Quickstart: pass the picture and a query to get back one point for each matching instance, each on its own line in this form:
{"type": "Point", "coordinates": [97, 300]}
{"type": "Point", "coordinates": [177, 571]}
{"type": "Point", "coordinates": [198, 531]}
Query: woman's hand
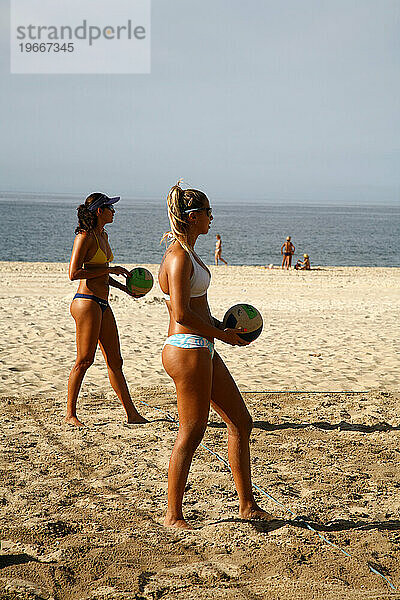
{"type": "Point", "coordinates": [119, 271]}
{"type": "Point", "coordinates": [218, 324]}
{"type": "Point", "coordinates": [230, 336]}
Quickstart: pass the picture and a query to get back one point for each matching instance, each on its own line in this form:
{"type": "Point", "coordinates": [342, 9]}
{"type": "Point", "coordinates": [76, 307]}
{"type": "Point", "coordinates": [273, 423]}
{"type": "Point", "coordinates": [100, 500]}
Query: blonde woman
{"type": "Point", "coordinates": [200, 376]}
{"type": "Point", "coordinates": [303, 265]}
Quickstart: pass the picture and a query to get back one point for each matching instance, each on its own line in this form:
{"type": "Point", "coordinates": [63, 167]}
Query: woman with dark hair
{"type": "Point", "coordinates": [95, 322]}
{"type": "Point", "coordinates": [200, 376]}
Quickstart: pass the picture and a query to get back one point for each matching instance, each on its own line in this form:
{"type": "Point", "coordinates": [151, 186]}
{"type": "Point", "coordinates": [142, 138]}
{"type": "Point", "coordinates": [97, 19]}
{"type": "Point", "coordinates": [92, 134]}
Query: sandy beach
{"type": "Point", "coordinates": [334, 329]}
{"type": "Point", "coordinates": [81, 509]}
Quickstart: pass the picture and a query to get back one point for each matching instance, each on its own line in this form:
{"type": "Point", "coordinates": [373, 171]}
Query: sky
{"type": "Point", "coordinates": [291, 101]}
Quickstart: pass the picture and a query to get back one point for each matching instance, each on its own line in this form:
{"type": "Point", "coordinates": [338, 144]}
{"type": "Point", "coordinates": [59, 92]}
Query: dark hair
{"type": "Point", "coordinates": [178, 201]}
{"type": "Point", "coordinates": [87, 220]}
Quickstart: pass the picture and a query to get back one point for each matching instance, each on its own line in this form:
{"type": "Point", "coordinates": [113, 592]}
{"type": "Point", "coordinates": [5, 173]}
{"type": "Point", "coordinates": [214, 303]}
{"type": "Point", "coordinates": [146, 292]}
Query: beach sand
{"type": "Point", "coordinates": [81, 509]}
{"type": "Point", "coordinates": [335, 328]}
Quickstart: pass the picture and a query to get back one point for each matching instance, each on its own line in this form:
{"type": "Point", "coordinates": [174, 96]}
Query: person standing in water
{"type": "Point", "coordinates": [94, 319]}
{"type": "Point", "coordinates": [287, 249]}
{"type": "Point", "coordinates": [200, 376]}
{"type": "Point", "coordinates": [218, 250]}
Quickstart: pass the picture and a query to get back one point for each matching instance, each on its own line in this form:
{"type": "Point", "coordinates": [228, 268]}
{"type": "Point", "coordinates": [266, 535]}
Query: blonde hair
{"type": "Point", "coordinates": [179, 201]}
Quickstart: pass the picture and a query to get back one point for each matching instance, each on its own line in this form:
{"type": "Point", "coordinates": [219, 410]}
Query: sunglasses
{"type": "Point", "coordinates": [111, 208]}
{"type": "Point", "coordinates": [208, 211]}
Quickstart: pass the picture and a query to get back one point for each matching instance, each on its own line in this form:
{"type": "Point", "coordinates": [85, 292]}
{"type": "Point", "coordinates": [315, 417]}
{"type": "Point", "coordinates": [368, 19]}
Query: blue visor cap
{"type": "Point", "coordinates": [103, 200]}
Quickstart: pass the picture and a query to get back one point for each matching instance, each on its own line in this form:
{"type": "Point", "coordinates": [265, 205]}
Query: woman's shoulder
{"type": "Point", "coordinates": [85, 234]}
{"type": "Point", "coordinates": [176, 256]}
{"type": "Point", "coordinates": [176, 250]}
{"type": "Point", "coordinates": [84, 238]}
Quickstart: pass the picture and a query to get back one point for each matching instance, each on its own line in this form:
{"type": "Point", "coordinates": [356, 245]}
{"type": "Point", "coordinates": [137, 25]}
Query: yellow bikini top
{"type": "Point", "coordinates": [99, 258]}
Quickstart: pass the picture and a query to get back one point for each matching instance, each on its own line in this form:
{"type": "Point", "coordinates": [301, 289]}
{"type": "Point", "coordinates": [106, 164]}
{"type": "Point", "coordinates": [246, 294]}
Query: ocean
{"type": "Point", "coordinates": [41, 229]}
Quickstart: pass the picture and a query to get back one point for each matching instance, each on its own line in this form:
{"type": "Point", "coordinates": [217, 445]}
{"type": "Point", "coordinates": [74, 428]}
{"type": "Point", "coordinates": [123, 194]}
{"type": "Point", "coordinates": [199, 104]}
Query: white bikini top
{"type": "Point", "coordinates": [199, 281]}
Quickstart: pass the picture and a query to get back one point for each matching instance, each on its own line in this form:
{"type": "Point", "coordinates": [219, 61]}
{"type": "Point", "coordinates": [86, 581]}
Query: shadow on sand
{"type": "Point", "coordinates": [302, 522]}
{"type": "Point", "coordinates": [324, 425]}
{"type": "Point", "coordinates": [7, 560]}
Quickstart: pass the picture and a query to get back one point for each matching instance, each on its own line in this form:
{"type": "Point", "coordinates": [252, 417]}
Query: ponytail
{"type": "Point", "coordinates": [87, 220]}
{"type": "Point", "coordinates": [179, 201]}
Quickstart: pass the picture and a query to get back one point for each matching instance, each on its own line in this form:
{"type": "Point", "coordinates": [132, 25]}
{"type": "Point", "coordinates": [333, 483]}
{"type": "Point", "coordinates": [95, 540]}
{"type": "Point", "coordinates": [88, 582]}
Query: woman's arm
{"type": "Point", "coordinates": [178, 272]}
{"type": "Point", "coordinates": [114, 283]}
{"type": "Point", "coordinates": [218, 324]}
{"type": "Point", "coordinates": [120, 286]}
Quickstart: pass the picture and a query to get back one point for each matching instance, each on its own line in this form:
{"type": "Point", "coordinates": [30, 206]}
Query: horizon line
{"type": "Point", "coordinates": [268, 200]}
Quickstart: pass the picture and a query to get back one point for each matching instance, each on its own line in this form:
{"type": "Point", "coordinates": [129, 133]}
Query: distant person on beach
{"type": "Point", "coordinates": [287, 249]}
{"type": "Point", "coordinates": [303, 265]}
{"type": "Point", "coordinates": [199, 374]}
{"type": "Point", "coordinates": [94, 319]}
{"type": "Point", "coordinates": [218, 250]}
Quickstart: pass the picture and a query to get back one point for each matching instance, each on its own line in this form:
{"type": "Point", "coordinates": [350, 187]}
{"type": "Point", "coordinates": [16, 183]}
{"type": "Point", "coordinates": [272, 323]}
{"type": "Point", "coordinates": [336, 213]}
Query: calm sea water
{"type": "Point", "coordinates": [33, 229]}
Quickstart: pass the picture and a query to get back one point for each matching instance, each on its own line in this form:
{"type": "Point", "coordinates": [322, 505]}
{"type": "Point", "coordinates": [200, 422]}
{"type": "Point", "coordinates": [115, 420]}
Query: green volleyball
{"type": "Point", "coordinates": [140, 281]}
{"type": "Point", "coordinates": [244, 316]}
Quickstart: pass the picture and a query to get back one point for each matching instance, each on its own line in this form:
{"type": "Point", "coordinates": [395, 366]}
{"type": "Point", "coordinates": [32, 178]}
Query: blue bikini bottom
{"type": "Point", "coordinates": [188, 340]}
{"type": "Point", "coordinates": [102, 303]}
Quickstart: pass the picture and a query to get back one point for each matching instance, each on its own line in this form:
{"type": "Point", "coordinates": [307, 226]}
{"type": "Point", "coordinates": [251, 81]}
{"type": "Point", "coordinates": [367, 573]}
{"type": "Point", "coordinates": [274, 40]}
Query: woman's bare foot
{"type": "Point", "coordinates": [255, 512]}
{"type": "Point", "coordinates": [136, 419]}
{"type": "Point", "coordinates": [176, 523]}
{"type": "Point", "coordinates": [71, 420]}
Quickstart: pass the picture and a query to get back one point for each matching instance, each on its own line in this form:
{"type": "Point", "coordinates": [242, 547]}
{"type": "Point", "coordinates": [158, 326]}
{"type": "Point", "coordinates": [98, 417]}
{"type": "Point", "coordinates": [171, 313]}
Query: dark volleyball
{"type": "Point", "coordinates": [247, 317]}
{"type": "Point", "coordinates": [140, 281]}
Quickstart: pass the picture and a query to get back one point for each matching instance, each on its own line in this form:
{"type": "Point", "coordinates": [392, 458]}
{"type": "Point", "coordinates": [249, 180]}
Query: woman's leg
{"type": "Point", "coordinates": [87, 315]}
{"type": "Point", "coordinates": [191, 370]}
{"type": "Point", "coordinates": [287, 262]}
{"type": "Point", "coordinates": [110, 347]}
{"type": "Point", "coordinates": [229, 404]}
